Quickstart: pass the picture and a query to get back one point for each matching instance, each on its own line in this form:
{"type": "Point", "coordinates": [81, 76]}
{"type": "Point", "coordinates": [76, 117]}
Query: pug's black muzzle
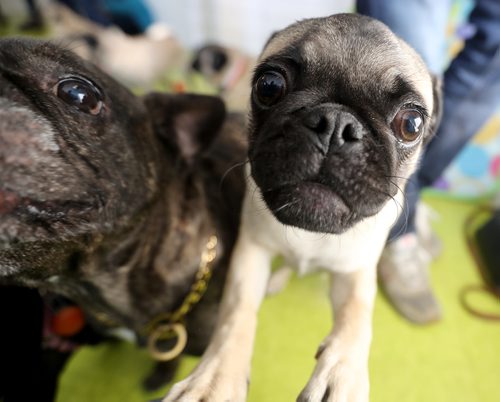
{"type": "Point", "coordinates": [320, 168]}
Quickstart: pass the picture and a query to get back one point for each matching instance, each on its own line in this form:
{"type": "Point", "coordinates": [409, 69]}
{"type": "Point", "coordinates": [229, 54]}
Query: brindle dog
{"type": "Point", "coordinates": [108, 198]}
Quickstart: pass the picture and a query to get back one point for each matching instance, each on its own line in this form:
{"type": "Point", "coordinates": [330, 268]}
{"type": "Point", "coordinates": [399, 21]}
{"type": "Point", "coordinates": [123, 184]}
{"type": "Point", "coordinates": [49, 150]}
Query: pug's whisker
{"type": "Point", "coordinates": [226, 173]}
{"type": "Point", "coordinates": [404, 212]}
{"type": "Point", "coordinates": [286, 205]}
{"type": "Point", "coordinates": [406, 179]}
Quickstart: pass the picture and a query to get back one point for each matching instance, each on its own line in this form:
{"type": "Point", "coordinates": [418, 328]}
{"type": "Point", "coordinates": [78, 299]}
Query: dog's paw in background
{"type": "Point", "coordinates": [279, 280]}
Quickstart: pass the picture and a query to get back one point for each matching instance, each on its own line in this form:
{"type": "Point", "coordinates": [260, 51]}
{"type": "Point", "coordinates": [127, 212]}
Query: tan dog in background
{"type": "Point", "coordinates": [137, 61]}
{"type": "Point", "coordinates": [229, 70]}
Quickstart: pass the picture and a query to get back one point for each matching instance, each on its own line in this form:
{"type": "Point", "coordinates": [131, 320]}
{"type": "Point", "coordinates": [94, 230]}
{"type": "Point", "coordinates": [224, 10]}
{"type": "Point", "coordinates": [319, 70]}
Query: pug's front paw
{"type": "Point", "coordinates": [337, 378]}
{"type": "Point", "coordinates": [212, 382]}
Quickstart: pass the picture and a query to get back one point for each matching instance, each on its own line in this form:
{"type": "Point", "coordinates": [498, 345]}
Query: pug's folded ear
{"type": "Point", "coordinates": [186, 122]}
{"type": "Point", "coordinates": [437, 91]}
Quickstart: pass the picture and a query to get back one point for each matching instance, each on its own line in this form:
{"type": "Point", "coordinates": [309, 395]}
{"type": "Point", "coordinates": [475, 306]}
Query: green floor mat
{"type": "Point", "coordinates": [455, 360]}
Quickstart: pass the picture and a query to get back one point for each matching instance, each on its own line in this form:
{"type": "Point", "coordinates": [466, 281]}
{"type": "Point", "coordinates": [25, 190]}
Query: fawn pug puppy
{"type": "Point", "coordinates": [340, 109]}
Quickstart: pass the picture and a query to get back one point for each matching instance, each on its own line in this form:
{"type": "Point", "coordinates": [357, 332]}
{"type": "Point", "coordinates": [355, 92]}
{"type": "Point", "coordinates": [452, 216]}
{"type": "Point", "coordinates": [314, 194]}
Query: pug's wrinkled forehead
{"type": "Point", "coordinates": [353, 47]}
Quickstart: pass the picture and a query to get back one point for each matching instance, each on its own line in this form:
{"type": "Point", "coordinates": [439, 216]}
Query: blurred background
{"type": "Point", "coordinates": [211, 46]}
{"type": "Point", "coordinates": [241, 28]}
{"type": "Point", "coordinates": [242, 24]}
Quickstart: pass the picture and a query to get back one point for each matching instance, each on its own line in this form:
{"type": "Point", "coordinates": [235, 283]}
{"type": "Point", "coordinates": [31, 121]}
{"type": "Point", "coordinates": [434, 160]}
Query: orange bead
{"type": "Point", "coordinates": [179, 87]}
{"type": "Point", "coordinates": [68, 321]}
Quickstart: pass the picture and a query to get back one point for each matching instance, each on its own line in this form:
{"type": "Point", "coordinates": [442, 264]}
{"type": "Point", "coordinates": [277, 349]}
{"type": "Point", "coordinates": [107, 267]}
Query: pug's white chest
{"type": "Point", "coordinates": [307, 251]}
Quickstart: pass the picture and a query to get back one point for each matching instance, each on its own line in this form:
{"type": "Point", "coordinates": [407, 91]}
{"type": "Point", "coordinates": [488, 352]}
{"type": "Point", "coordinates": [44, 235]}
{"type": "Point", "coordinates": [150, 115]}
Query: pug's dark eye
{"type": "Point", "coordinates": [270, 88]}
{"type": "Point", "coordinates": [81, 94]}
{"type": "Point", "coordinates": [408, 124]}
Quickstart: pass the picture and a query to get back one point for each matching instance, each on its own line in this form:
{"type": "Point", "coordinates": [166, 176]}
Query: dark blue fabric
{"type": "Point", "coordinates": [471, 83]}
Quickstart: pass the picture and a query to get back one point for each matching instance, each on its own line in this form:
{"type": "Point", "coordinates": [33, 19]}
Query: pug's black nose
{"type": "Point", "coordinates": [330, 126]}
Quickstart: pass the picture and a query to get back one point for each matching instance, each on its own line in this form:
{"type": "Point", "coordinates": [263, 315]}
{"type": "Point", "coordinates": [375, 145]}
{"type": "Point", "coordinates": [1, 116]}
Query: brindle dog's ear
{"type": "Point", "coordinates": [437, 91]}
{"type": "Point", "coordinates": [186, 122]}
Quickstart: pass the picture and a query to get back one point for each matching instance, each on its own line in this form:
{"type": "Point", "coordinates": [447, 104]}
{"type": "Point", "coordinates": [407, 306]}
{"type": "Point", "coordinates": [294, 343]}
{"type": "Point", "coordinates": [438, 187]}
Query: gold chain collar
{"type": "Point", "coordinates": [171, 325]}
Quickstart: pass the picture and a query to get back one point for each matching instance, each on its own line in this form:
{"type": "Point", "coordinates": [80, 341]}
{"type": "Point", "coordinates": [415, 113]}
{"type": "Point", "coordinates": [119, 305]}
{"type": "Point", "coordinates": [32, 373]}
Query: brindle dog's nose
{"type": "Point", "coordinates": [330, 126]}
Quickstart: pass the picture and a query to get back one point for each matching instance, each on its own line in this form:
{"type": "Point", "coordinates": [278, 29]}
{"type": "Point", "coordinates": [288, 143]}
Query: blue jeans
{"type": "Point", "coordinates": [471, 83]}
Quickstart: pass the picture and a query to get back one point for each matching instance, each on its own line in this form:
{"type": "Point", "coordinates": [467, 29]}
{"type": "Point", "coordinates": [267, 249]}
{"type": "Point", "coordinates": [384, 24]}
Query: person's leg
{"type": "Point", "coordinates": [471, 91]}
{"type": "Point", "coordinates": [403, 265]}
{"type": "Point", "coordinates": [421, 23]}
{"type": "Point", "coordinates": [471, 95]}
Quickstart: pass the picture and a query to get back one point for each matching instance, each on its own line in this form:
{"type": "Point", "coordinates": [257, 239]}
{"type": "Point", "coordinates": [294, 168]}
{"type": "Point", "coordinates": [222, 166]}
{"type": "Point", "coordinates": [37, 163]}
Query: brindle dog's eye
{"type": "Point", "coordinates": [80, 93]}
{"type": "Point", "coordinates": [408, 124]}
{"type": "Point", "coordinates": [270, 88]}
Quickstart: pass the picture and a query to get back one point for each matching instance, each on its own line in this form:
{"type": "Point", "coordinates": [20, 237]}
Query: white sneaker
{"type": "Point", "coordinates": [404, 276]}
{"type": "Point", "coordinates": [427, 237]}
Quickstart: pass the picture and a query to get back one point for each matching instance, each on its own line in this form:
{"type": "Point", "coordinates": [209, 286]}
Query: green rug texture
{"type": "Point", "coordinates": [454, 360]}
